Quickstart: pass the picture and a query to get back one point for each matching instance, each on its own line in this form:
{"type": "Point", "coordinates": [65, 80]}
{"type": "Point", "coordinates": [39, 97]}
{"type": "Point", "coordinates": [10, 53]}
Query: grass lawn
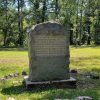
{"type": "Point", "coordinates": [84, 59]}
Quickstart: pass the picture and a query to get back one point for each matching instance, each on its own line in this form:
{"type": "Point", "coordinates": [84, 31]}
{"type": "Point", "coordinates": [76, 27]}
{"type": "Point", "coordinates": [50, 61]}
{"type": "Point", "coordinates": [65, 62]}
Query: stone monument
{"type": "Point", "coordinates": [48, 54]}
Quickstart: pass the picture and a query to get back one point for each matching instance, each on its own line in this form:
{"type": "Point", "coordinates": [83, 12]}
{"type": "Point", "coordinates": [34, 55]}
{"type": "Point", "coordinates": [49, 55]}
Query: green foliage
{"type": "Point", "coordinates": [83, 17]}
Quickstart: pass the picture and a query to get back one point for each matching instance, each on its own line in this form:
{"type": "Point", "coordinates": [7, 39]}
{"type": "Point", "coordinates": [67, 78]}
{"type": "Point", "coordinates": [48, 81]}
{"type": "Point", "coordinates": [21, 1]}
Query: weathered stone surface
{"type": "Point", "coordinates": [16, 74]}
{"type": "Point", "coordinates": [2, 79]}
{"type": "Point", "coordinates": [94, 76]}
{"type": "Point", "coordinates": [11, 75]}
{"type": "Point", "coordinates": [68, 83]}
{"type": "Point", "coordinates": [83, 98]}
{"type": "Point", "coordinates": [48, 52]}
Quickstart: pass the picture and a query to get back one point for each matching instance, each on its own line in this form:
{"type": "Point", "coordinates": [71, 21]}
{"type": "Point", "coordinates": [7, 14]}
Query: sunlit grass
{"type": "Point", "coordinates": [15, 60]}
{"type": "Point", "coordinates": [85, 58]}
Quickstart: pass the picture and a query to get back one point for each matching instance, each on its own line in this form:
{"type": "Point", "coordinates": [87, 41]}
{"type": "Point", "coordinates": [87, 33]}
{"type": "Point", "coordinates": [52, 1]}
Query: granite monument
{"type": "Point", "coordinates": [48, 53]}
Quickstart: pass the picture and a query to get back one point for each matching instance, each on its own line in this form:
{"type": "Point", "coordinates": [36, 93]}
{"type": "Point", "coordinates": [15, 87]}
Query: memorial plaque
{"type": "Point", "coordinates": [48, 52]}
{"type": "Point", "coordinates": [50, 45]}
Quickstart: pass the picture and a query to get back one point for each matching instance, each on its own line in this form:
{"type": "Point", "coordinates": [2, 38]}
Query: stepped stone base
{"type": "Point", "coordinates": [68, 83]}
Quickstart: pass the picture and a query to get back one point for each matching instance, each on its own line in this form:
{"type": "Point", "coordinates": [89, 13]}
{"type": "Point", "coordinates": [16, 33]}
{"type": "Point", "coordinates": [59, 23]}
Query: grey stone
{"type": "Point", "coordinates": [94, 76]}
{"type": "Point", "coordinates": [83, 98]}
{"type": "Point", "coordinates": [2, 79]}
{"type": "Point", "coordinates": [88, 76]}
{"type": "Point", "coordinates": [68, 83]}
{"type": "Point", "coordinates": [16, 74]}
{"type": "Point", "coordinates": [48, 52]}
{"type": "Point", "coordinates": [11, 75]}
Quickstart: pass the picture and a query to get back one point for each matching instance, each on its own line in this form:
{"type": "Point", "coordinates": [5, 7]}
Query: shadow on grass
{"type": "Point", "coordinates": [86, 46]}
{"type": "Point", "coordinates": [13, 90]}
{"type": "Point", "coordinates": [13, 49]}
{"type": "Point", "coordinates": [22, 89]}
{"type": "Point", "coordinates": [70, 94]}
{"type": "Point", "coordinates": [52, 93]}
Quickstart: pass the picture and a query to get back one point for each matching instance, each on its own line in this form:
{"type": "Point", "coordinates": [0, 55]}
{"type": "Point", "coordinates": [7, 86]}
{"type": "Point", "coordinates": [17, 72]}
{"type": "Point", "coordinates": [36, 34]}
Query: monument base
{"type": "Point", "coordinates": [68, 83]}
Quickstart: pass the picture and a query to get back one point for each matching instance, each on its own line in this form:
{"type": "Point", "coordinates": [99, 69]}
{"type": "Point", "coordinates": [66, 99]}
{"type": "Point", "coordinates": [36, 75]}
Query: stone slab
{"type": "Point", "coordinates": [49, 52]}
{"type": "Point", "coordinates": [68, 83]}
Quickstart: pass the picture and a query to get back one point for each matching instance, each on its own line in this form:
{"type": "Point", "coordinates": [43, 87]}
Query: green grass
{"type": "Point", "coordinates": [84, 59]}
{"type": "Point", "coordinates": [13, 61]}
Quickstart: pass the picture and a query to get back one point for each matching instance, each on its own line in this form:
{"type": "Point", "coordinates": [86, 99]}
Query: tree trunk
{"type": "Point", "coordinates": [44, 10]}
{"type": "Point", "coordinates": [21, 27]}
{"type": "Point", "coordinates": [6, 27]}
{"type": "Point", "coordinates": [81, 26]}
{"type": "Point", "coordinates": [36, 7]}
{"type": "Point", "coordinates": [19, 24]}
{"type": "Point", "coordinates": [77, 20]}
{"type": "Point", "coordinates": [56, 9]}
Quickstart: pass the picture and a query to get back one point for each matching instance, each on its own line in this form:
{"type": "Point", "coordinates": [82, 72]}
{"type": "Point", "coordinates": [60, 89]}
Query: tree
{"type": "Point", "coordinates": [80, 17]}
{"type": "Point", "coordinates": [44, 10]}
{"type": "Point", "coordinates": [4, 23]}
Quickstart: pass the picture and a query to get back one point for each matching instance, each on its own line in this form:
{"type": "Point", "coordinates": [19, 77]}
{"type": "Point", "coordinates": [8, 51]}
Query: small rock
{"type": "Point", "coordinates": [6, 77]}
{"type": "Point", "coordinates": [2, 79]}
{"type": "Point", "coordinates": [88, 76]}
{"type": "Point", "coordinates": [73, 71]}
{"type": "Point", "coordinates": [16, 74]}
{"type": "Point", "coordinates": [94, 76]}
{"type": "Point", "coordinates": [11, 75]}
{"type": "Point", "coordinates": [24, 73]}
{"type": "Point", "coordinates": [83, 98]}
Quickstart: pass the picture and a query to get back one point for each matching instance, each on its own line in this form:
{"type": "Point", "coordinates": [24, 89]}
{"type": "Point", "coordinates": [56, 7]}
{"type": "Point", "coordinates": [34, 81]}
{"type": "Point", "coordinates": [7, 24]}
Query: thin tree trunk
{"type": "Point", "coordinates": [19, 24]}
{"type": "Point", "coordinates": [56, 9]}
{"type": "Point", "coordinates": [89, 23]}
{"type": "Point", "coordinates": [44, 10]}
{"type": "Point", "coordinates": [36, 10]}
{"type": "Point", "coordinates": [77, 20]}
{"type": "Point", "coordinates": [21, 19]}
{"type": "Point", "coordinates": [81, 26]}
{"type": "Point", "coordinates": [6, 30]}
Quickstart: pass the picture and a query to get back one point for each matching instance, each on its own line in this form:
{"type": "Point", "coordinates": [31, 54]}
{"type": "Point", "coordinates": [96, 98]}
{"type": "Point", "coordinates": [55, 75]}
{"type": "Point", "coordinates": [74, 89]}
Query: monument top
{"type": "Point", "coordinates": [48, 28]}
